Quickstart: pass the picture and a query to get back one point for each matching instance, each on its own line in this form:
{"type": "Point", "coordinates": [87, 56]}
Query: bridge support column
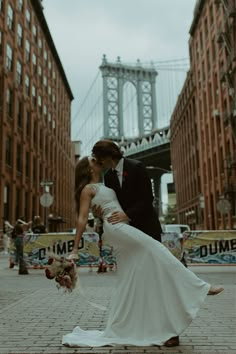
{"type": "Point", "coordinates": [115, 75]}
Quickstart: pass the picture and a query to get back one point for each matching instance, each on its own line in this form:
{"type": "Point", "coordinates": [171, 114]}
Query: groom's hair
{"type": "Point", "coordinates": [107, 148]}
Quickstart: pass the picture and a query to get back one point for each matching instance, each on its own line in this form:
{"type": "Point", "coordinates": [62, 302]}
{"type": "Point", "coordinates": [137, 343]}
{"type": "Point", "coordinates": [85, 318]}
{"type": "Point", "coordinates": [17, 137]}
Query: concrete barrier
{"type": "Point", "coordinates": [92, 252]}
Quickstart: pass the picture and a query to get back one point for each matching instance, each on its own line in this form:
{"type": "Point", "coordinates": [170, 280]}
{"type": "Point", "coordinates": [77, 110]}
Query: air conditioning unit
{"type": "Point", "coordinates": [215, 113]}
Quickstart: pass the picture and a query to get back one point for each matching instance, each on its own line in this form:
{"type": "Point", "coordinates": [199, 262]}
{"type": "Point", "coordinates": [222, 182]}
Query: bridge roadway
{"type": "Point", "coordinates": [153, 150]}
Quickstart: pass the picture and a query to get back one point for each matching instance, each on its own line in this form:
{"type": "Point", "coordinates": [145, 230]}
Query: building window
{"type": "Point", "coordinates": [40, 172]}
{"type": "Point", "coordinates": [35, 134]}
{"type": "Point", "coordinates": [28, 17]}
{"type": "Point", "coordinates": [27, 164]}
{"type": "Point", "coordinates": [40, 103]}
{"type": "Point", "coordinates": [34, 95]}
{"type": "Point", "coordinates": [34, 170]}
{"type": "Point", "coordinates": [27, 50]}
{"type": "Point", "coordinates": [201, 40]}
{"type": "Point", "coordinates": [10, 17]}
{"type": "Point", "coordinates": [0, 42]}
{"type": "Point", "coordinates": [28, 117]}
{"type": "Point", "coordinates": [1, 5]}
{"type": "Point", "coordinates": [17, 205]}
{"type": "Point", "coordinates": [40, 45]}
{"type": "Point", "coordinates": [41, 139]}
{"type": "Point", "coordinates": [34, 61]}
{"type": "Point", "coordinates": [49, 90]}
{"type": "Point", "coordinates": [208, 61]}
{"type": "Point", "coordinates": [45, 81]}
{"type": "Point", "coordinates": [9, 102]}
{"type": "Point", "coordinates": [27, 85]}
{"type": "Point", "coordinates": [211, 15]}
{"type": "Point", "coordinates": [7, 202]}
{"type": "Point", "coordinates": [40, 73]}
{"type": "Point", "coordinates": [26, 213]}
{"type": "Point", "coordinates": [35, 33]}
{"type": "Point", "coordinates": [9, 57]}
{"type": "Point", "coordinates": [45, 55]}
{"type": "Point", "coordinates": [213, 46]}
{"type": "Point", "coordinates": [8, 150]}
{"type": "Point", "coordinates": [20, 5]}
{"type": "Point", "coordinates": [18, 158]}
{"type": "Point", "coordinates": [206, 28]}
{"type": "Point", "coordinates": [19, 35]}
{"type": "Point", "coordinates": [203, 71]}
{"type": "Point", "coordinates": [18, 72]}
{"type": "Point", "coordinates": [19, 114]}
{"type": "Point", "coordinates": [45, 110]}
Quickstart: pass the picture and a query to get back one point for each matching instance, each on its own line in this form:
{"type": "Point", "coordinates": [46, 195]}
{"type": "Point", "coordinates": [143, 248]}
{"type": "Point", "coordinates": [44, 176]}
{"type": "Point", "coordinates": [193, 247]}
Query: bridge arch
{"type": "Point", "coordinates": [115, 75]}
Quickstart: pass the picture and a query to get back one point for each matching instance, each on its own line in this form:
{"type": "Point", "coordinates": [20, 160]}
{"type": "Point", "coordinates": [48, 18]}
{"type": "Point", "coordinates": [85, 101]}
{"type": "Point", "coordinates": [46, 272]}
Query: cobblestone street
{"type": "Point", "coordinates": [35, 315]}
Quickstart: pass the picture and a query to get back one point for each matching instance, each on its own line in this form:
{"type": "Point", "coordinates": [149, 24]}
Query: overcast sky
{"type": "Point", "coordinates": [84, 30]}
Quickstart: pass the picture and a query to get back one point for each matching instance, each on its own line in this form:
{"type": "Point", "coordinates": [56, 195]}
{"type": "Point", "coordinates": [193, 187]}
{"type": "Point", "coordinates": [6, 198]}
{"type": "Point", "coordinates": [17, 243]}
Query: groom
{"type": "Point", "coordinates": [129, 179]}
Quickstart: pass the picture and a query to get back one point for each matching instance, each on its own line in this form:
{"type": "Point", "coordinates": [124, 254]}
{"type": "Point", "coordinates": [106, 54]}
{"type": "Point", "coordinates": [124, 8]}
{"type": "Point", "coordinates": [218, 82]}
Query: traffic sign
{"type": "Point", "coordinates": [46, 200]}
{"type": "Point", "coordinates": [223, 206]}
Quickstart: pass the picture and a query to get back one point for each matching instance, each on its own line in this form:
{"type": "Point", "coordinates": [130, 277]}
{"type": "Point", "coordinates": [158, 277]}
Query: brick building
{"type": "Point", "coordinates": [35, 110]}
{"type": "Point", "coordinates": [203, 124]}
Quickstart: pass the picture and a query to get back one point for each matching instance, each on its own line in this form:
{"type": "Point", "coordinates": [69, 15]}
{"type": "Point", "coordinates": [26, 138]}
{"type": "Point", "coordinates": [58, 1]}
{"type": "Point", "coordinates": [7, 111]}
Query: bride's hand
{"type": "Point", "coordinates": [118, 216]}
{"type": "Point", "coordinates": [73, 256]}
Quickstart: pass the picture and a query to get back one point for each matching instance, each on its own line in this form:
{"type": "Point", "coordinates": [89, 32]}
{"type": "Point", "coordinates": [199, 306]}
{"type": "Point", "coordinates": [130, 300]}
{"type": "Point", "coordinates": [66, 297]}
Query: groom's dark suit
{"type": "Point", "coordinates": [135, 197]}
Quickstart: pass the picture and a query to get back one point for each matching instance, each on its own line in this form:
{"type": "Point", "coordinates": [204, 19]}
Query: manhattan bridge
{"type": "Point", "coordinates": [132, 103]}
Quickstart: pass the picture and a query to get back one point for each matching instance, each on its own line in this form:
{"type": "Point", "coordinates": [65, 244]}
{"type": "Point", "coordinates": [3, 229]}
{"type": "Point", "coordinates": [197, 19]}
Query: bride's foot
{"type": "Point", "coordinates": [215, 291]}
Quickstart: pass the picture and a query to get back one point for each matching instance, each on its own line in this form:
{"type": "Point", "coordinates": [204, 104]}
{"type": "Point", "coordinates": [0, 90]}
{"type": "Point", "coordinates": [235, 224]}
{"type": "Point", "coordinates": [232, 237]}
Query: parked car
{"type": "Point", "coordinates": [175, 232]}
{"type": "Point", "coordinates": [178, 228]}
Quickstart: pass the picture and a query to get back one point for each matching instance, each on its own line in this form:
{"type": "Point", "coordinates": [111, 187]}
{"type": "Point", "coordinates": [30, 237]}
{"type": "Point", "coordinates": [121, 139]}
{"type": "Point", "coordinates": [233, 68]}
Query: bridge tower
{"type": "Point", "coordinates": [115, 75]}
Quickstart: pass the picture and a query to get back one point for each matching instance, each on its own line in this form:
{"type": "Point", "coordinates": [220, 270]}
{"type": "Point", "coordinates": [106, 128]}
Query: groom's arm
{"type": "Point", "coordinates": [140, 202]}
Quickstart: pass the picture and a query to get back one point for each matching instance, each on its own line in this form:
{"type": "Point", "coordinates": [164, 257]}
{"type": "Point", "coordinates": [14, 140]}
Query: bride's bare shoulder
{"type": "Point", "coordinates": [89, 190]}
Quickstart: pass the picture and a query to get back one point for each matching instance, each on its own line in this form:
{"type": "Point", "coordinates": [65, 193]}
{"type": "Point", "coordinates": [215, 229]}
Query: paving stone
{"type": "Point", "coordinates": [34, 315]}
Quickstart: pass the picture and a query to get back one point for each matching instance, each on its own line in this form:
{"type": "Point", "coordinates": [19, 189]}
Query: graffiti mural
{"type": "Point", "coordinates": [212, 247]}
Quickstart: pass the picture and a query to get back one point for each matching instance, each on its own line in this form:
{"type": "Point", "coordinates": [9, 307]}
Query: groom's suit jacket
{"type": "Point", "coordinates": [135, 197]}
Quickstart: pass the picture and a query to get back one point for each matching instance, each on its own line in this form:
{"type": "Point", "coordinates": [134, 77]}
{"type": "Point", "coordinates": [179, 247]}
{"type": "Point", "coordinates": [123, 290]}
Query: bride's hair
{"type": "Point", "coordinates": [82, 177]}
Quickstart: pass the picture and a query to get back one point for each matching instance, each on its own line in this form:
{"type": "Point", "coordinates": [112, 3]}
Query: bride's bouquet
{"type": "Point", "coordinates": [63, 271]}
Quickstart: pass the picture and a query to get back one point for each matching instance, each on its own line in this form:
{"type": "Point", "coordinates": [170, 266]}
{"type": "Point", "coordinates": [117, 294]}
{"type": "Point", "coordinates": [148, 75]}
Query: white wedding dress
{"type": "Point", "coordinates": [156, 297]}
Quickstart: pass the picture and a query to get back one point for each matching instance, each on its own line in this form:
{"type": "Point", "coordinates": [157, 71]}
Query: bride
{"type": "Point", "coordinates": [156, 297]}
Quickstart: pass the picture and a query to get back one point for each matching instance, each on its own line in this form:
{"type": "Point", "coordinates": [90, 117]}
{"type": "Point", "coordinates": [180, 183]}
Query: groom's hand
{"type": "Point", "coordinates": [97, 211]}
{"type": "Point", "coordinates": [118, 216]}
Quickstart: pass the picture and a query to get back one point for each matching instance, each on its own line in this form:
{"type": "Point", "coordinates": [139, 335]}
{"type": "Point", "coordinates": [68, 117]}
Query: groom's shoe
{"type": "Point", "coordinates": [172, 342]}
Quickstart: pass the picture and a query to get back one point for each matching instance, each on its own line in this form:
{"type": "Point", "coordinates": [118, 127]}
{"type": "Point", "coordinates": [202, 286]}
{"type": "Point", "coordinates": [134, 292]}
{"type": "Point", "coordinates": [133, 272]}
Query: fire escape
{"type": "Point", "coordinates": [227, 39]}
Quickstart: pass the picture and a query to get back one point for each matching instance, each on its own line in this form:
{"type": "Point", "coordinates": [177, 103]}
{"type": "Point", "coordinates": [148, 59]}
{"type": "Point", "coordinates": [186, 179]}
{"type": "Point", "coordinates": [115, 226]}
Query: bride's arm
{"type": "Point", "coordinates": [85, 201]}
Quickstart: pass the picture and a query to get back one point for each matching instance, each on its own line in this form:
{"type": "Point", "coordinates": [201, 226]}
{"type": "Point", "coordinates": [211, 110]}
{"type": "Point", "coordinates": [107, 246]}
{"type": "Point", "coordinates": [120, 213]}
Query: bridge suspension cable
{"type": "Point", "coordinates": [87, 122]}
{"type": "Point", "coordinates": [86, 96]}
